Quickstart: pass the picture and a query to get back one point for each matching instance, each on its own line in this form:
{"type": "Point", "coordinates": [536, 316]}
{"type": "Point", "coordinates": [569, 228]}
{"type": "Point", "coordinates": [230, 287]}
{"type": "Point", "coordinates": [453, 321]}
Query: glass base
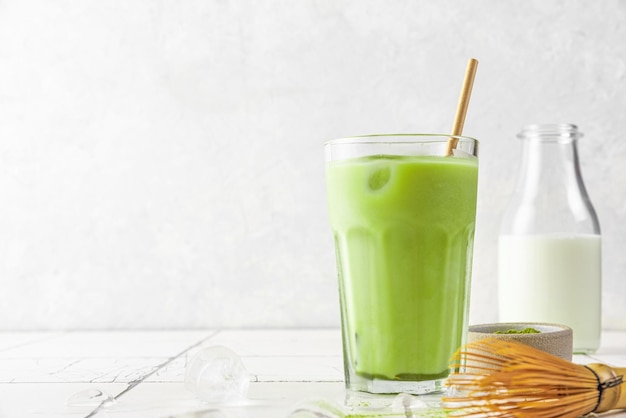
{"type": "Point", "coordinates": [585, 350]}
{"type": "Point", "coordinates": [382, 386]}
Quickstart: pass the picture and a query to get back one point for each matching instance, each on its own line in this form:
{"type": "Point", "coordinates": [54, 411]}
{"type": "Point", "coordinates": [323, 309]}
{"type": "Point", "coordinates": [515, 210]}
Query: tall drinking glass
{"type": "Point", "coordinates": [403, 214]}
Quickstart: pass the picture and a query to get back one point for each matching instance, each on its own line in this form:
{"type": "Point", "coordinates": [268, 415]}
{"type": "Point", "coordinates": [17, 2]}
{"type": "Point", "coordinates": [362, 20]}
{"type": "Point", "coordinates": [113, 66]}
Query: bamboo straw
{"type": "Point", "coordinates": [461, 109]}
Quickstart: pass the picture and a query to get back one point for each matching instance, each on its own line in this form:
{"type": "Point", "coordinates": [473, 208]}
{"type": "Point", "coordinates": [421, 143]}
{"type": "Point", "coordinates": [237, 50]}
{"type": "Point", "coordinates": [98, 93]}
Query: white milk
{"type": "Point", "coordinates": [552, 278]}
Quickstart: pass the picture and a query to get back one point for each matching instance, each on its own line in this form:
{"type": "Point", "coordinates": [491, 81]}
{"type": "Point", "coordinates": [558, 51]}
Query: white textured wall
{"type": "Point", "coordinates": [161, 162]}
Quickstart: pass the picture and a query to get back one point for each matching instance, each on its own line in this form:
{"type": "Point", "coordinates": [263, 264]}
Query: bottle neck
{"type": "Point", "coordinates": [550, 195]}
{"type": "Point", "coordinates": [549, 163]}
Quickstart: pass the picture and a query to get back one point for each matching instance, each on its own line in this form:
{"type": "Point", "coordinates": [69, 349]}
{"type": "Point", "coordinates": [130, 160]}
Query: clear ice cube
{"type": "Point", "coordinates": [407, 404]}
{"type": "Point", "coordinates": [316, 409]}
{"type": "Point", "coordinates": [90, 398]}
{"type": "Point", "coordinates": [205, 413]}
{"type": "Point", "coordinates": [217, 375]}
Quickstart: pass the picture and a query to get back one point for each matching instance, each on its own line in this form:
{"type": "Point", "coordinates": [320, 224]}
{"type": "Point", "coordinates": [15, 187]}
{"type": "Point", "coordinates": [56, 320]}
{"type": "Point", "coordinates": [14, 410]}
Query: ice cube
{"type": "Point", "coordinates": [379, 177]}
{"type": "Point", "coordinates": [407, 404]}
{"type": "Point", "coordinates": [316, 409]}
{"type": "Point", "coordinates": [216, 374]}
{"type": "Point", "coordinates": [205, 413]}
{"type": "Point", "coordinates": [90, 398]}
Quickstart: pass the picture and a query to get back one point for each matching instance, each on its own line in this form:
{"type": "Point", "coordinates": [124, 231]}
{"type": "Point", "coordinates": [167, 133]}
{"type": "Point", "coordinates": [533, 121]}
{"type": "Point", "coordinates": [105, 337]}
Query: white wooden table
{"type": "Point", "coordinates": [141, 373]}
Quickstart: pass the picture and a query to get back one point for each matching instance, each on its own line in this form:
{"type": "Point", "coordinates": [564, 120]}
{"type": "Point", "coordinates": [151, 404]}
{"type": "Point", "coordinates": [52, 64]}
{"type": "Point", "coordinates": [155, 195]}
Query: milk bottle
{"type": "Point", "coordinates": [549, 260]}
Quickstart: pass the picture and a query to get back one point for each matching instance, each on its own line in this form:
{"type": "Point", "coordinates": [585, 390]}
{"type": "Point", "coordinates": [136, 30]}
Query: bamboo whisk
{"type": "Point", "coordinates": [509, 379]}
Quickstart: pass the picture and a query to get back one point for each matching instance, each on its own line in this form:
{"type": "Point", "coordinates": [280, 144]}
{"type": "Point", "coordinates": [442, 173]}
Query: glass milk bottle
{"type": "Point", "coordinates": [549, 261]}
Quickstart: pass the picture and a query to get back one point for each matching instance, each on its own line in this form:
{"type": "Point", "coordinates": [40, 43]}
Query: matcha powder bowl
{"type": "Point", "coordinates": [554, 339]}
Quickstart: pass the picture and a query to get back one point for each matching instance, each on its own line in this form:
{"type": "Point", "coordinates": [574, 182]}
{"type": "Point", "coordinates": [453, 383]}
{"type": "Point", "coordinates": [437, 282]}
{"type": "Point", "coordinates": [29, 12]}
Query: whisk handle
{"type": "Point", "coordinates": [611, 386]}
{"type": "Point", "coordinates": [621, 401]}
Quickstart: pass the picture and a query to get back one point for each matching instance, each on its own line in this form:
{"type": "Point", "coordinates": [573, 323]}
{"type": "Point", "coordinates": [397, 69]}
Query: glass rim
{"type": "Point", "coordinates": [406, 138]}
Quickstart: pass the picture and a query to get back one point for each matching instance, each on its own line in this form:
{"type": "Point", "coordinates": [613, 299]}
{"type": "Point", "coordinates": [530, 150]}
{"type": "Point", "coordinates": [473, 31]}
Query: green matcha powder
{"type": "Point", "coordinates": [519, 331]}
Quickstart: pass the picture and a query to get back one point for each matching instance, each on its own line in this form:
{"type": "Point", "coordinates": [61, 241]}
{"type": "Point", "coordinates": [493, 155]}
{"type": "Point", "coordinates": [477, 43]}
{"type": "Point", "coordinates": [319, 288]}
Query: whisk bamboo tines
{"type": "Point", "coordinates": [498, 378]}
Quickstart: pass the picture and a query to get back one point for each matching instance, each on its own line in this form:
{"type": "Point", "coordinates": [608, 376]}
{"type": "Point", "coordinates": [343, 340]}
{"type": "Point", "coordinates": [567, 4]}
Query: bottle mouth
{"type": "Point", "coordinates": [561, 132]}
